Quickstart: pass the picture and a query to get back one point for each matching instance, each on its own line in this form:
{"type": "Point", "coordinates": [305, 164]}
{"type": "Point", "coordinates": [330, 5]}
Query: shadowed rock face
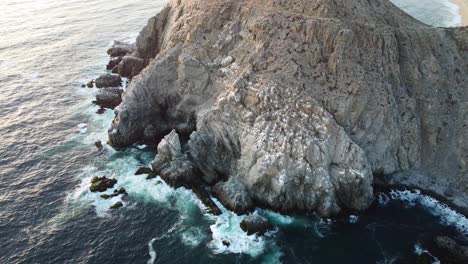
{"type": "Point", "coordinates": [301, 101]}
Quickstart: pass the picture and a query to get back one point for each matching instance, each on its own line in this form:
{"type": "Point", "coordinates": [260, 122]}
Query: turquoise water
{"type": "Point", "coordinates": [47, 158]}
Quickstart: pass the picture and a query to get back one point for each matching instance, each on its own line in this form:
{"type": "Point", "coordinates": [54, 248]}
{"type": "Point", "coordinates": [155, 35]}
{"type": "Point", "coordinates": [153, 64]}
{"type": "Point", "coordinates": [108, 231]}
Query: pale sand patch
{"type": "Point", "coordinates": [463, 10]}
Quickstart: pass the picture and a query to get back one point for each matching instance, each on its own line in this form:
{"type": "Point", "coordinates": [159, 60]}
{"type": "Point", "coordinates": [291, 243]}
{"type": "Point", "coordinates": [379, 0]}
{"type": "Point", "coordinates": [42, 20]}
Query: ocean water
{"type": "Point", "coordinates": [48, 127]}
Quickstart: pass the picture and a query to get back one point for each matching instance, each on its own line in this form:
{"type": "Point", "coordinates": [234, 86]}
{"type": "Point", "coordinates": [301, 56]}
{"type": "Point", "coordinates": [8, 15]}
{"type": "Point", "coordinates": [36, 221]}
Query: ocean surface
{"type": "Point", "coordinates": [48, 126]}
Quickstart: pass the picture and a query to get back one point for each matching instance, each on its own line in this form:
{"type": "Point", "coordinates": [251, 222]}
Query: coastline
{"type": "Point", "coordinates": [462, 10]}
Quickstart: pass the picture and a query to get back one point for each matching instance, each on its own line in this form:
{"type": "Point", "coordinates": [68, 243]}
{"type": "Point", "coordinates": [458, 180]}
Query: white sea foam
{"type": "Point", "coordinates": [418, 250]}
{"type": "Point", "coordinates": [193, 236]}
{"type": "Point", "coordinates": [353, 219]}
{"type": "Point", "coordinates": [152, 252]}
{"type": "Point", "coordinates": [447, 215]}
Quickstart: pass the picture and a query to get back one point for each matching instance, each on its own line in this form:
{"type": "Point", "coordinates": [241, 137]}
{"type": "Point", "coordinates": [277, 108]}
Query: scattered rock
{"type": "Point", "coordinates": [120, 49]}
{"type": "Point", "coordinates": [98, 144]}
{"type": "Point", "coordinates": [158, 182]}
{"type": "Point", "coordinates": [108, 80]}
{"type": "Point", "coordinates": [106, 196]}
{"type": "Point", "coordinates": [101, 184]}
{"type": "Point", "coordinates": [83, 85]}
{"type": "Point", "coordinates": [226, 61]}
{"type": "Point", "coordinates": [143, 170]}
{"type": "Point", "coordinates": [255, 224]}
{"type": "Point", "coordinates": [90, 84]}
{"type": "Point", "coordinates": [117, 205]}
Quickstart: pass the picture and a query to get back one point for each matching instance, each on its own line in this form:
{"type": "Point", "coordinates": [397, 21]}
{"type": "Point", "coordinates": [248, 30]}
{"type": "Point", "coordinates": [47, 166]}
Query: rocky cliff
{"type": "Point", "coordinates": [296, 104]}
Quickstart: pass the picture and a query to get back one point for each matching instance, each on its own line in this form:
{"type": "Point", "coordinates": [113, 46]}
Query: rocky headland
{"type": "Point", "coordinates": [297, 105]}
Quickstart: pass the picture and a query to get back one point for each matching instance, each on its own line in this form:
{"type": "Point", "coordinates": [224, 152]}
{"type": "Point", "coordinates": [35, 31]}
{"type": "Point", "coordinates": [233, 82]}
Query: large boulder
{"type": "Point", "coordinates": [120, 49]}
{"type": "Point", "coordinates": [130, 66]}
{"type": "Point", "coordinates": [109, 97]}
{"type": "Point", "coordinates": [108, 80]}
{"type": "Point", "coordinates": [234, 195]}
{"type": "Point", "coordinates": [255, 224]}
{"type": "Point", "coordinates": [173, 165]}
{"type": "Point", "coordinates": [300, 101]}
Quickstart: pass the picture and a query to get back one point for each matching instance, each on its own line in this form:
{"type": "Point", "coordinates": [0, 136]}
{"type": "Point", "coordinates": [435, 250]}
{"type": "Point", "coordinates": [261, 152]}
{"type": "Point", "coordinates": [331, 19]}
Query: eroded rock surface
{"type": "Point", "coordinates": [300, 102]}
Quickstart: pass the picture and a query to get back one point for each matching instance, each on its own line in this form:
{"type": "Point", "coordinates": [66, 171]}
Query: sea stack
{"type": "Point", "coordinates": [299, 103]}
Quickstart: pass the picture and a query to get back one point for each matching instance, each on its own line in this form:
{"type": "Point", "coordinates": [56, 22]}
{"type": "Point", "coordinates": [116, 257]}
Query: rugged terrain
{"type": "Point", "coordinates": [294, 105]}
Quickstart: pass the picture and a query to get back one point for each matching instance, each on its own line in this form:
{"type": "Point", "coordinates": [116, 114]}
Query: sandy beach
{"type": "Point", "coordinates": [463, 4]}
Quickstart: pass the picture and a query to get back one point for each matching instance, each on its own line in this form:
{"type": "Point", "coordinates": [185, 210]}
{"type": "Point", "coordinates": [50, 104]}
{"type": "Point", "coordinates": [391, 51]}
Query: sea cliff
{"type": "Point", "coordinates": [298, 105]}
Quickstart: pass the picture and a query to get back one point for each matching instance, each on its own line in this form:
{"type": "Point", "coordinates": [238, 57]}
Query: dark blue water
{"type": "Point", "coordinates": [48, 127]}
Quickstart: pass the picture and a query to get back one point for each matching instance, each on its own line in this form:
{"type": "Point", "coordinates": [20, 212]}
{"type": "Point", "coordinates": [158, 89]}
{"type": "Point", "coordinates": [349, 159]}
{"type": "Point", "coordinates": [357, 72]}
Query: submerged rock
{"type": "Point", "coordinates": [101, 184]}
{"type": "Point", "coordinates": [255, 224]}
{"type": "Point", "coordinates": [449, 251]}
{"type": "Point", "coordinates": [117, 205]}
{"type": "Point", "coordinates": [108, 80]}
{"type": "Point", "coordinates": [300, 101]}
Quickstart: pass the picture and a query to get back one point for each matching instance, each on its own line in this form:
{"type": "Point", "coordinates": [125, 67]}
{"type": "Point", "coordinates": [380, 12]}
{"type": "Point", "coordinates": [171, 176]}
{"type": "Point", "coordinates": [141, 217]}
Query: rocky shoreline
{"type": "Point", "coordinates": [283, 109]}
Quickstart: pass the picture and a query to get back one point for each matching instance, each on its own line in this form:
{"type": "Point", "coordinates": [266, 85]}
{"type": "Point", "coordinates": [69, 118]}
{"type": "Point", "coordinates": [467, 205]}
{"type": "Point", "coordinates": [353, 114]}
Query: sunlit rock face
{"type": "Point", "coordinates": [300, 102]}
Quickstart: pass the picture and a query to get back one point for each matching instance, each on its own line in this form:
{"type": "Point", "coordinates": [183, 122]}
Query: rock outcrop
{"type": "Point", "coordinates": [298, 103]}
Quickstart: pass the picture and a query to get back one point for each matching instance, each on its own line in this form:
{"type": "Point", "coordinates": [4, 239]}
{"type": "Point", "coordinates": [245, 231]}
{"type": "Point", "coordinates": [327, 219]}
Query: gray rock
{"type": "Point", "coordinates": [321, 95]}
{"type": "Point", "coordinates": [108, 80]}
{"type": "Point", "coordinates": [234, 195]}
{"type": "Point", "coordinates": [255, 224]}
{"type": "Point", "coordinates": [130, 66]}
{"type": "Point", "coordinates": [171, 164]}
{"type": "Point", "coordinates": [109, 98]}
{"type": "Point", "coordinates": [120, 49]}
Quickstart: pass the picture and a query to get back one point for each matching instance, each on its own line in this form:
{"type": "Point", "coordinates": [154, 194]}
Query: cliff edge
{"type": "Point", "coordinates": [295, 105]}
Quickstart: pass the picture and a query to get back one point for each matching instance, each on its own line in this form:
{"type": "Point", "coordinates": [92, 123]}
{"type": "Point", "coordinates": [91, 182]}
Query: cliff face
{"type": "Point", "coordinates": [296, 104]}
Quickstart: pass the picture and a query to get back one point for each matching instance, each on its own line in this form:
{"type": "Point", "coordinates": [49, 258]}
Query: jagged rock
{"type": "Point", "coordinates": [255, 224]}
{"type": "Point", "coordinates": [116, 193]}
{"type": "Point", "coordinates": [109, 97]}
{"type": "Point", "coordinates": [101, 184]}
{"type": "Point", "coordinates": [120, 49]}
{"type": "Point", "coordinates": [98, 144]}
{"type": "Point", "coordinates": [171, 164]}
{"type": "Point", "coordinates": [321, 95]}
{"type": "Point", "coordinates": [143, 170]}
{"type": "Point", "coordinates": [117, 205]}
{"type": "Point", "coordinates": [108, 80]}
{"type": "Point", "coordinates": [226, 243]}
{"type": "Point", "coordinates": [205, 198]}
{"type": "Point", "coordinates": [113, 63]}
{"type": "Point", "coordinates": [130, 66]}
{"type": "Point", "coordinates": [234, 195]}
